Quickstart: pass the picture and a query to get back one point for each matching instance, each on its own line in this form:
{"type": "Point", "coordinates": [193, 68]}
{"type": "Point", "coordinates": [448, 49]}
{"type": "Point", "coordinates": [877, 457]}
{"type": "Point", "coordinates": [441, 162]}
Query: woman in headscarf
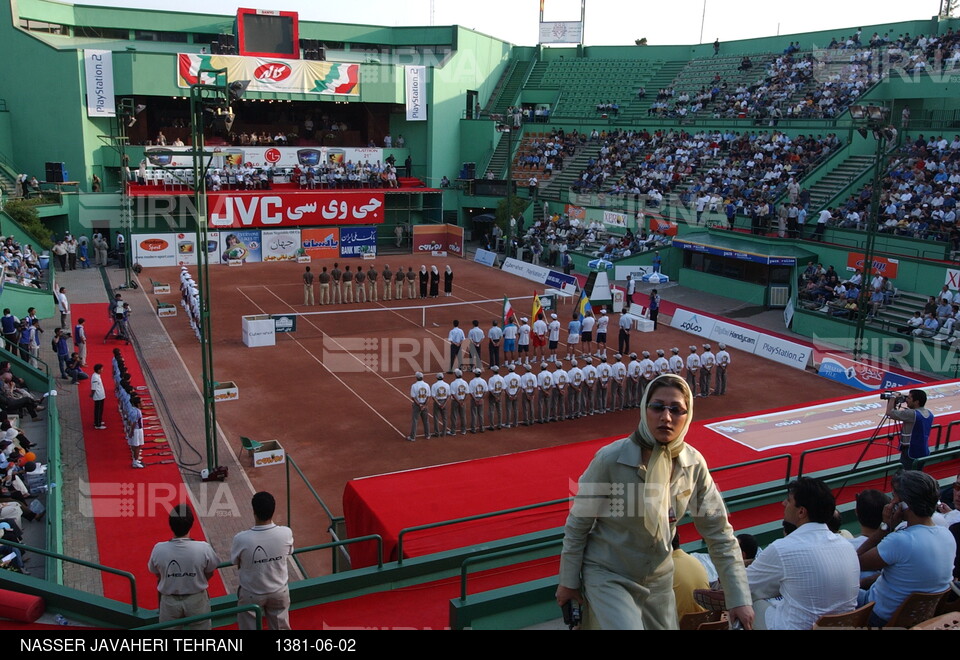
{"type": "Point", "coordinates": [434, 282]}
{"type": "Point", "coordinates": [448, 281]}
{"type": "Point", "coordinates": [424, 277]}
{"type": "Point", "coordinates": [616, 560]}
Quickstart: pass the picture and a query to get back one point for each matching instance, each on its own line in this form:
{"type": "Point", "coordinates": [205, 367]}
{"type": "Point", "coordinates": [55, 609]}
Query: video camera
{"type": "Point", "coordinates": [897, 397]}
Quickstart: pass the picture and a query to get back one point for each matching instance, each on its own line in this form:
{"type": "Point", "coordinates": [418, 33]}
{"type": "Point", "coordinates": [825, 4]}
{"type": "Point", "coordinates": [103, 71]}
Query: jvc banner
{"type": "Point", "coordinates": [273, 210]}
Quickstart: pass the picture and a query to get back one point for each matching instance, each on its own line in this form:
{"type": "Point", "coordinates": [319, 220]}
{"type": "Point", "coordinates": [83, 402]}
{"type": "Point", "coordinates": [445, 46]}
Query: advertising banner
{"type": "Point", "coordinates": [278, 157]}
{"type": "Point", "coordinates": [273, 74]}
{"type": "Point", "coordinates": [862, 376]}
{"type": "Point", "coordinates": [240, 245]}
{"type": "Point", "coordinates": [293, 209]}
{"type": "Point", "coordinates": [881, 265]}
{"type": "Point", "coordinates": [952, 279]}
{"type": "Point", "coordinates": [561, 32]}
{"type": "Point", "coordinates": [280, 244]}
{"type": "Point", "coordinates": [321, 243]}
{"type": "Point", "coordinates": [734, 336]}
{"type": "Point", "coordinates": [485, 257]}
{"type": "Point", "coordinates": [783, 351]}
{"type": "Point", "coordinates": [98, 67]}
{"type": "Point", "coordinates": [416, 80]}
{"type": "Point", "coordinates": [575, 212]}
{"type": "Point", "coordinates": [358, 241]}
{"type": "Point", "coordinates": [615, 219]}
{"type": "Point", "coordinates": [152, 250]}
{"type": "Point", "coordinates": [693, 323]}
{"type": "Point", "coordinates": [187, 250]}
{"type": "Point", "coordinates": [661, 226]}
{"type": "Point", "coordinates": [438, 238]}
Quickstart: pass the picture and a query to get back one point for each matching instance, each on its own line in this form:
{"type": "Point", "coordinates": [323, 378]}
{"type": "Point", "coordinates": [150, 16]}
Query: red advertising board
{"type": "Point", "coordinates": [665, 227]}
{"type": "Point", "coordinates": [321, 243]}
{"type": "Point", "coordinates": [270, 209]}
{"type": "Point", "coordinates": [438, 238]}
{"type": "Point", "coordinates": [881, 265]}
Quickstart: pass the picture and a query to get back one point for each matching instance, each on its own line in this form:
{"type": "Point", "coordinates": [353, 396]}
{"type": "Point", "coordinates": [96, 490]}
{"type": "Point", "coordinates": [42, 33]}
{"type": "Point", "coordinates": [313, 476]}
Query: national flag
{"type": "Point", "coordinates": [537, 307]}
{"type": "Point", "coordinates": [508, 312]}
{"type": "Point", "coordinates": [340, 79]}
{"type": "Point", "coordinates": [583, 305]}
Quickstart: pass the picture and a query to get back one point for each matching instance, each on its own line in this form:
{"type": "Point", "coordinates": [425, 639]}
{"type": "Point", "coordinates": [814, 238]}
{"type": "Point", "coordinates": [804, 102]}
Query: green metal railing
{"type": "Point", "coordinates": [475, 559]}
{"type": "Point", "coordinates": [88, 564]}
{"type": "Point", "coordinates": [204, 617]}
{"type": "Point", "coordinates": [481, 516]}
{"type": "Point", "coordinates": [780, 457]}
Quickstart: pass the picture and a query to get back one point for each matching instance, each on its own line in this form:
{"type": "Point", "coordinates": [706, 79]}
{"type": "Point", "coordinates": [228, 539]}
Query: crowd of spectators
{"type": "Point", "coordinates": [20, 263]}
{"type": "Point", "coordinates": [546, 153]}
{"type": "Point", "coordinates": [918, 193]}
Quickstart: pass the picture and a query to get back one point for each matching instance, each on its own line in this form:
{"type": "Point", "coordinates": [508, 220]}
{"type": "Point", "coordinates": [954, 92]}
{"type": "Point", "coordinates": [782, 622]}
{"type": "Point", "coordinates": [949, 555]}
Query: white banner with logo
{"type": "Point", "coordinates": [98, 66]}
{"type": "Point", "coordinates": [696, 324]}
{"type": "Point", "coordinates": [734, 336]}
{"type": "Point", "coordinates": [561, 32]}
{"type": "Point", "coordinates": [272, 74]}
{"type": "Point", "coordinates": [278, 157]}
{"type": "Point", "coordinates": [416, 81]}
{"type": "Point", "coordinates": [636, 272]}
{"type": "Point", "coordinates": [952, 279]}
{"type": "Point", "coordinates": [155, 250]}
{"type": "Point", "coordinates": [783, 351]}
{"type": "Point", "coordinates": [280, 244]}
{"type": "Point", "coordinates": [527, 271]}
{"type": "Point", "coordinates": [615, 219]}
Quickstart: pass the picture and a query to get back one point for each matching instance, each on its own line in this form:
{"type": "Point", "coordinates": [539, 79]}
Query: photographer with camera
{"type": "Point", "coordinates": [917, 420]}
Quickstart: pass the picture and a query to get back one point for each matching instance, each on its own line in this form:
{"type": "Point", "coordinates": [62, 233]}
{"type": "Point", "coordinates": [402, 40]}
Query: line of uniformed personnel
{"type": "Point", "coordinates": [590, 386]}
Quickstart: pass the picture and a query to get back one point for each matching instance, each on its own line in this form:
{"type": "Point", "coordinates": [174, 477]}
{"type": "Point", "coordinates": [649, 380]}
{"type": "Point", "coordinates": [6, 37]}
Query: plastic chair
{"type": "Point", "coordinates": [858, 618]}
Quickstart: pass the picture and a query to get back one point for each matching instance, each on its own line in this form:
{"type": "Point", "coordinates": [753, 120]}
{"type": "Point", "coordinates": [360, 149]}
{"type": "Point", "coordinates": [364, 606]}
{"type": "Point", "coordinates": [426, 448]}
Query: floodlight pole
{"type": "Point", "coordinates": [201, 95]}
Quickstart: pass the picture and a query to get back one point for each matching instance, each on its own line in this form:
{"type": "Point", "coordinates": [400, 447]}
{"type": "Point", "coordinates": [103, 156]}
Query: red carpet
{"type": "Point", "coordinates": [120, 498]}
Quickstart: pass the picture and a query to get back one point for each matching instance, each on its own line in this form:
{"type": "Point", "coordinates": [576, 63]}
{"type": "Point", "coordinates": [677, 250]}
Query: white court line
{"type": "Point", "coordinates": [328, 370]}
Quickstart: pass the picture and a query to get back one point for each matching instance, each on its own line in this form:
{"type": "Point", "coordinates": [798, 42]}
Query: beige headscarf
{"type": "Point", "coordinates": [656, 497]}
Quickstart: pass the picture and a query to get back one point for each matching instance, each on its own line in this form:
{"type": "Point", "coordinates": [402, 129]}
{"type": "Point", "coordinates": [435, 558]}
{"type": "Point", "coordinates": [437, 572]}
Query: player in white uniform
{"type": "Point", "coordinates": [660, 365]}
{"type": "Point", "coordinates": [440, 392]}
{"type": "Point", "coordinates": [604, 374]}
{"type": "Point", "coordinates": [476, 344]}
{"type": "Point", "coordinates": [540, 331]}
{"type": "Point", "coordinates": [495, 387]}
{"type": "Point", "coordinates": [676, 362]}
{"type": "Point", "coordinates": [589, 390]}
{"type": "Point", "coordinates": [633, 382]}
{"type": "Point", "coordinates": [647, 374]}
{"type": "Point", "coordinates": [459, 389]}
{"type": "Point", "coordinates": [511, 383]}
{"type": "Point", "coordinates": [545, 407]}
{"type": "Point", "coordinates": [601, 329]}
{"type": "Point", "coordinates": [723, 363]}
{"type": "Point", "coordinates": [619, 371]}
{"type": "Point", "coordinates": [523, 341]}
{"type": "Point", "coordinates": [419, 395]}
{"type": "Point", "coordinates": [528, 383]}
{"type": "Point", "coordinates": [575, 391]}
{"type": "Point", "coordinates": [707, 362]}
{"type": "Point", "coordinates": [693, 369]}
{"type": "Point", "coordinates": [478, 391]}
{"type": "Point", "coordinates": [509, 335]}
{"type": "Point", "coordinates": [553, 337]}
{"type": "Point", "coordinates": [586, 332]}
{"type": "Point", "coordinates": [561, 382]}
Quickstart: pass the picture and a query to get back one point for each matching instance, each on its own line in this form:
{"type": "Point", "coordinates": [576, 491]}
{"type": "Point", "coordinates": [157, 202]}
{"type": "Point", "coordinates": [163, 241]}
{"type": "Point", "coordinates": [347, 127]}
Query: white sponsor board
{"type": "Point", "coordinates": [416, 79]}
{"type": "Point", "coordinates": [280, 244]}
{"type": "Point", "coordinates": [615, 219]}
{"type": "Point", "coordinates": [561, 32]}
{"type": "Point", "coordinates": [637, 272]}
{"type": "Point", "coordinates": [952, 279]}
{"type": "Point", "coordinates": [696, 324]}
{"type": "Point", "coordinates": [734, 336]}
{"type": "Point", "coordinates": [150, 250]}
{"type": "Point", "coordinates": [98, 67]}
{"type": "Point", "coordinates": [278, 157]}
{"type": "Point", "coordinates": [783, 351]}
{"type": "Point", "coordinates": [527, 271]}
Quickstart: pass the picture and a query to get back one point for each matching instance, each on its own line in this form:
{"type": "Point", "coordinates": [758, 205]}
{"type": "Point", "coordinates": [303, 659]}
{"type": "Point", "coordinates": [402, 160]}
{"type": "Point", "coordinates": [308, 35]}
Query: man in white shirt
{"type": "Point", "coordinates": [455, 337]}
{"type": "Point", "coordinates": [589, 390]}
{"type": "Point", "coordinates": [419, 395]}
{"type": "Point", "coordinates": [945, 516]}
{"type": "Point", "coordinates": [602, 324]}
{"type": "Point", "coordinates": [723, 363]}
{"type": "Point", "coordinates": [523, 341]}
{"type": "Point", "coordinates": [623, 343]}
{"type": "Point", "coordinates": [528, 385]}
{"type": "Point", "coordinates": [813, 571]}
{"type": "Point", "coordinates": [495, 388]}
{"type": "Point", "coordinates": [478, 391]}
{"type": "Point", "coordinates": [575, 391]}
{"type": "Point", "coordinates": [512, 385]}
{"type": "Point", "coordinates": [618, 371]}
{"type": "Point", "coordinates": [553, 337]}
{"type": "Point", "coordinates": [261, 553]}
{"type": "Point", "coordinates": [707, 362]}
{"type": "Point", "coordinates": [561, 381]}
{"type": "Point", "coordinates": [183, 568]}
{"type": "Point", "coordinates": [693, 369]}
{"type": "Point", "coordinates": [633, 382]}
{"type": "Point", "coordinates": [440, 392]}
{"type": "Point", "coordinates": [459, 391]}
{"type": "Point", "coordinates": [545, 398]}
{"type": "Point", "coordinates": [476, 335]}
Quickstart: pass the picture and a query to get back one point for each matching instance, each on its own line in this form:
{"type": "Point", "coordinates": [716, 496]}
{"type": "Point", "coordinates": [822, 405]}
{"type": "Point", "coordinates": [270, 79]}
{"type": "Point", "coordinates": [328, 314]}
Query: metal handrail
{"type": "Point", "coordinates": [479, 516]}
{"type": "Point", "coordinates": [209, 615]}
{"type": "Point", "coordinates": [327, 546]}
{"type": "Point", "coordinates": [83, 562]}
{"type": "Point", "coordinates": [815, 450]}
{"type": "Point", "coordinates": [787, 457]}
{"type": "Point", "coordinates": [473, 559]}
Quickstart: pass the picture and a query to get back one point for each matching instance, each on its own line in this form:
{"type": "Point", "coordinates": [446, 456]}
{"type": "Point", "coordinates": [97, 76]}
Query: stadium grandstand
{"type": "Point", "coordinates": [171, 182]}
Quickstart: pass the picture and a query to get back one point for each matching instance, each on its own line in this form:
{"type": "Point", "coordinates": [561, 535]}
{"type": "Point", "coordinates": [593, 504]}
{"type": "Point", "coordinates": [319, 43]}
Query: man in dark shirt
{"type": "Point", "coordinates": [361, 280]}
{"type": "Point", "coordinates": [347, 285]}
{"type": "Point", "coordinates": [387, 281]}
{"type": "Point", "coordinates": [324, 278]}
{"type": "Point", "coordinates": [372, 275]}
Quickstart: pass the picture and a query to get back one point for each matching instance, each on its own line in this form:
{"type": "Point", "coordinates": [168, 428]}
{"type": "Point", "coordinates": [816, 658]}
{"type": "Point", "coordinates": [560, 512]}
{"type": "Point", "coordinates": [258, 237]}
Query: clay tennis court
{"type": "Point", "coordinates": [336, 392]}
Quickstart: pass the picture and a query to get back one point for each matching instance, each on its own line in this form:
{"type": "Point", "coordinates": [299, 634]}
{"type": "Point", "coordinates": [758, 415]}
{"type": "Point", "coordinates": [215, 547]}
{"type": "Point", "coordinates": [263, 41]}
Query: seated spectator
{"type": "Point", "coordinates": [913, 323]}
{"type": "Point", "coordinates": [929, 327]}
{"type": "Point", "coordinates": [809, 573]}
{"type": "Point", "coordinates": [688, 575]}
{"type": "Point", "coordinates": [917, 559]}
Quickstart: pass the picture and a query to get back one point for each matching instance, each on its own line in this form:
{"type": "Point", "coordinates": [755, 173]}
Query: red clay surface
{"type": "Point", "coordinates": [348, 421]}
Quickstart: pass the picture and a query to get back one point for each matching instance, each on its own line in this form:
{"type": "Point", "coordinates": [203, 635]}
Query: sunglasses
{"type": "Point", "coordinates": [658, 407]}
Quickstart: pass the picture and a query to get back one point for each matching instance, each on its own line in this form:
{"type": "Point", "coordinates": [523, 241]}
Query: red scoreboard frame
{"type": "Point", "coordinates": [293, 54]}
